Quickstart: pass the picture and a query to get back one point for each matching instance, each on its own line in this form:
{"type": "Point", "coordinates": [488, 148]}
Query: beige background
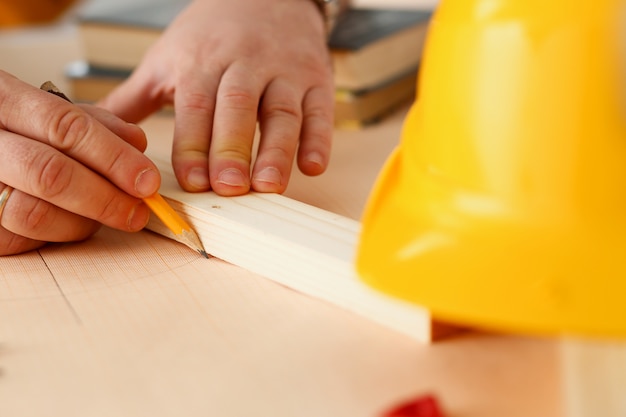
{"type": "Point", "coordinates": [159, 335]}
{"type": "Point", "coordinates": [23, 50]}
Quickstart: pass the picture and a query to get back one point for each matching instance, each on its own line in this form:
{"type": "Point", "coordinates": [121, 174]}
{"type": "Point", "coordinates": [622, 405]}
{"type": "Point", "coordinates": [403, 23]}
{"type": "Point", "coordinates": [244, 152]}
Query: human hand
{"type": "Point", "coordinates": [225, 64]}
{"type": "Point", "coordinates": [72, 168]}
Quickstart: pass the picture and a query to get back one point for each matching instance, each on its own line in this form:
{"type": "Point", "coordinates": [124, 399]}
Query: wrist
{"type": "Point", "coordinates": [330, 10]}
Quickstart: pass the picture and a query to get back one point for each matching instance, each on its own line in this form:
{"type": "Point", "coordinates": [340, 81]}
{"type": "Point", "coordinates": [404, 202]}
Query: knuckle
{"type": "Point", "coordinates": [115, 160]}
{"type": "Point", "coordinates": [53, 175]}
{"type": "Point", "coordinates": [238, 152]}
{"type": "Point", "coordinates": [319, 112]}
{"type": "Point", "coordinates": [282, 109]}
{"type": "Point", "coordinates": [12, 244]}
{"type": "Point", "coordinates": [36, 217]}
{"type": "Point", "coordinates": [278, 153]}
{"type": "Point", "coordinates": [319, 125]}
{"type": "Point", "coordinates": [240, 99]}
{"type": "Point", "coordinates": [68, 128]}
{"type": "Point", "coordinates": [197, 102]}
{"type": "Point", "coordinates": [110, 209]}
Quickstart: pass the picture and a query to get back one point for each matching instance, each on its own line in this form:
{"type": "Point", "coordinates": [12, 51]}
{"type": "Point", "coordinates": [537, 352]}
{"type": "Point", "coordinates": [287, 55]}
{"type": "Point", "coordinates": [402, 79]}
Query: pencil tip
{"type": "Point", "coordinates": [203, 253]}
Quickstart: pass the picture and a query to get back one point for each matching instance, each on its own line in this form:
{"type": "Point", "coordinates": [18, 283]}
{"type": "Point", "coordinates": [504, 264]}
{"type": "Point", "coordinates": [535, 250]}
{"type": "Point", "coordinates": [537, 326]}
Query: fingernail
{"type": "Point", "coordinates": [232, 177]}
{"type": "Point", "coordinates": [198, 178]}
{"type": "Point", "coordinates": [147, 182]}
{"type": "Point", "coordinates": [138, 217]}
{"type": "Point", "coordinates": [269, 175]}
{"type": "Point", "coordinates": [316, 158]}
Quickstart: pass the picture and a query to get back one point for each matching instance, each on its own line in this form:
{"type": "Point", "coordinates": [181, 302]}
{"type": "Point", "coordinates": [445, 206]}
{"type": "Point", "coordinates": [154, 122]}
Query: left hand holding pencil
{"type": "Point", "coordinates": [66, 169]}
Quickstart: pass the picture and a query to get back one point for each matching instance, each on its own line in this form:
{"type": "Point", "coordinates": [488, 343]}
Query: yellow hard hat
{"type": "Point", "coordinates": [504, 205]}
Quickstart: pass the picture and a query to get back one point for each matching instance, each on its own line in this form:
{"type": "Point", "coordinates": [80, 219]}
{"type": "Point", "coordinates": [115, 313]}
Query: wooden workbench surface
{"type": "Point", "coordinates": [137, 325]}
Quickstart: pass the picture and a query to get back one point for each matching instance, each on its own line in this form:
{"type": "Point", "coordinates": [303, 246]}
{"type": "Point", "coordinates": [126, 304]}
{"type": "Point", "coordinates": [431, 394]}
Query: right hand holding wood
{"type": "Point", "coordinates": [72, 168]}
{"type": "Point", "coordinates": [226, 65]}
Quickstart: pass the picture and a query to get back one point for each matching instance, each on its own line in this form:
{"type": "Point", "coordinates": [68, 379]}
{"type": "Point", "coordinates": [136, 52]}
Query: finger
{"type": "Point", "coordinates": [317, 131]}
{"type": "Point", "coordinates": [36, 219]}
{"type": "Point", "coordinates": [233, 131]}
{"type": "Point", "coordinates": [195, 108]}
{"type": "Point", "coordinates": [280, 118]}
{"type": "Point", "coordinates": [130, 132]}
{"type": "Point", "coordinates": [44, 172]}
{"type": "Point", "coordinates": [68, 128]}
{"type": "Point", "coordinates": [135, 98]}
{"type": "Point", "coordinates": [12, 244]}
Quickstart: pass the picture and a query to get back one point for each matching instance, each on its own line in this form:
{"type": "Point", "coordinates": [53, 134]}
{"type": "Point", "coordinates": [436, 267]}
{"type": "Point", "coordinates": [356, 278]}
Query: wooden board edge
{"type": "Point", "coordinates": [243, 241]}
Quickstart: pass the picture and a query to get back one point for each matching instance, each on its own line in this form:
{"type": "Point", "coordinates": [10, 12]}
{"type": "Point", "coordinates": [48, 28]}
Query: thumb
{"type": "Point", "coordinates": [134, 99]}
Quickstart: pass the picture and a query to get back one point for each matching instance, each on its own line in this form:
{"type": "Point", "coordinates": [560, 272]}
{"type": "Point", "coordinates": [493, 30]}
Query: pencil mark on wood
{"type": "Point", "coordinates": [67, 301]}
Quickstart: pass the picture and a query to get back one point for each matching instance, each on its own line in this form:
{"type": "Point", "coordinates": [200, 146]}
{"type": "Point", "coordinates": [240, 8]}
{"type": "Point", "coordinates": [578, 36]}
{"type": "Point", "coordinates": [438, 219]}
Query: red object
{"type": "Point", "coordinates": [425, 406]}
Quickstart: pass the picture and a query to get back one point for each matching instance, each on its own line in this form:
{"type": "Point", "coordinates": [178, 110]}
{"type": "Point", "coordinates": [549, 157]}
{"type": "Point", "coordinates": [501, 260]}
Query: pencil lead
{"type": "Point", "coordinates": [203, 253]}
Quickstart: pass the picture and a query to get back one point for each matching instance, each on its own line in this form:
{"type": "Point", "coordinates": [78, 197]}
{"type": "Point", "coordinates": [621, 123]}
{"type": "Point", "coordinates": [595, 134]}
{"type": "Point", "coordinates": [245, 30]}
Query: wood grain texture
{"type": "Point", "coordinates": [297, 245]}
{"type": "Point", "coordinates": [137, 325]}
{"type": "Point", "coordinates": [594, 375]}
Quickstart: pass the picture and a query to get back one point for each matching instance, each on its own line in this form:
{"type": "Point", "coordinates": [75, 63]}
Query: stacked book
{"type": "Point", "coordinates": [375, 54]}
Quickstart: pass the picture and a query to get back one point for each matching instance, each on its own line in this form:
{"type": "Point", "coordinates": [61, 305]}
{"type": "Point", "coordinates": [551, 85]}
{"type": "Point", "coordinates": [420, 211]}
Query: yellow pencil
{"type": "Point", "coordinates": [176, 224]}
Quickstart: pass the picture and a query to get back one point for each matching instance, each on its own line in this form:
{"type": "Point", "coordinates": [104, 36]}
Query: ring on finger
{"type": "Point", "coordinates": [4, 197]}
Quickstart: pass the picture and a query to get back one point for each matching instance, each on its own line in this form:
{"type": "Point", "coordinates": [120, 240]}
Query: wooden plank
{"type": "Point", "coordinates": [594, 375]}
{"type": "Point", "coordinates": [297, 245]}
{"type": "Point", "coordinates": [131, 324]}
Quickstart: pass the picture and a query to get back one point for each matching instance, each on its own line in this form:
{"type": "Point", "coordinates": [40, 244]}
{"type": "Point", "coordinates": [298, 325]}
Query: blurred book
{"type": "Point", "coordinates": [357, 109]}
{"type": "Point", "coordinates": [353, 108]}
{"type": "Point", "coordinates": [118, 37]}
{"type": "Point", "coordinates": [372, 46]}
{"type": "Point", "coordinates": [368, 46]}
{"type": "Point", "coordinates": [89, 83]}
